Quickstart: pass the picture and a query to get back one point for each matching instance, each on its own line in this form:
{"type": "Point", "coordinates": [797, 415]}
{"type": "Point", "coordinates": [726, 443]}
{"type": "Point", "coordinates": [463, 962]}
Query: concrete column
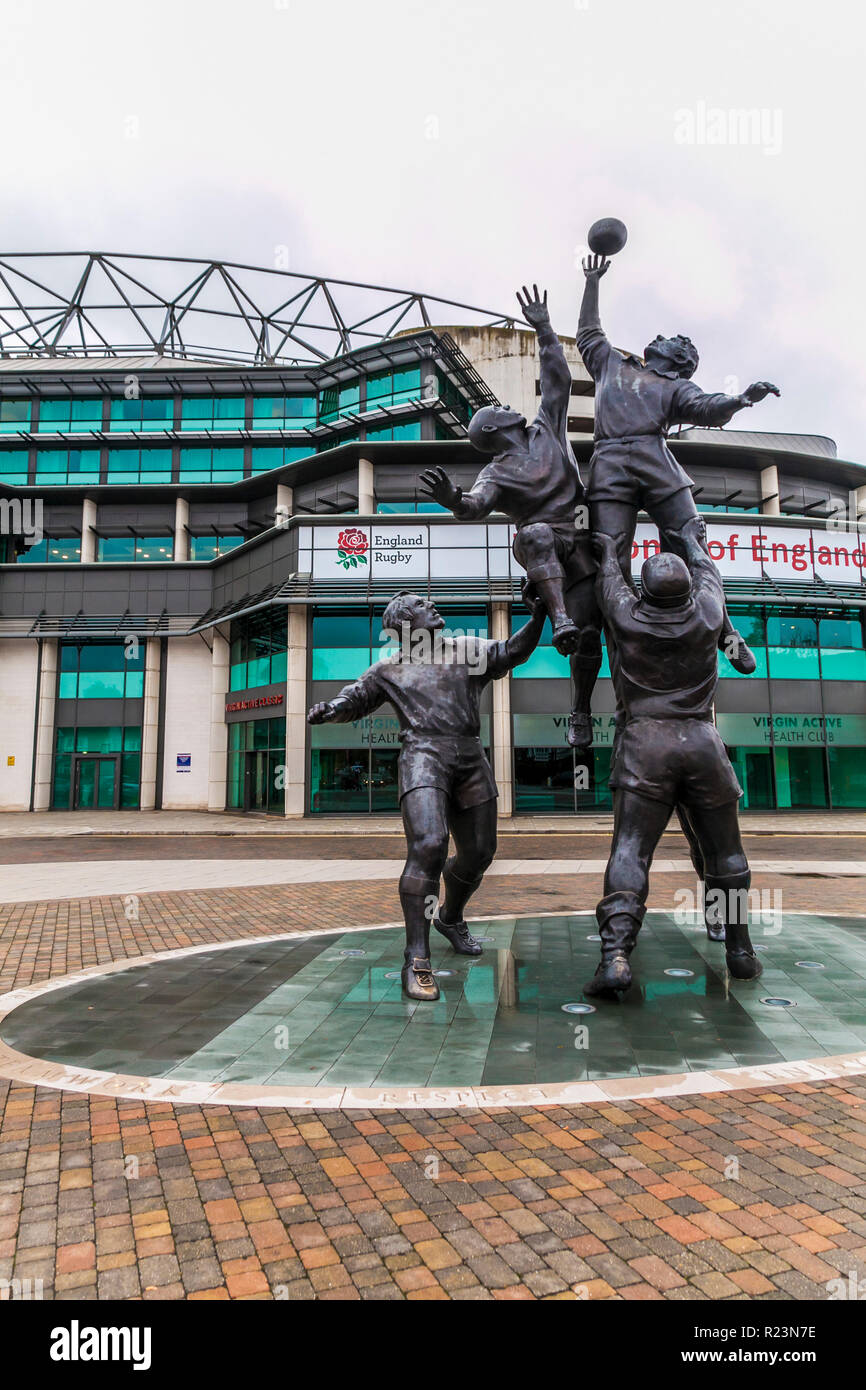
{"type": "Point", "coordinates": [366, 495]}
{"type": "Point", "coordinates": [770, 489]}
{"type": "Point", "coordinates": [220, 654]}
{"type": "Point", "coordinates": [88, 535]}
{"type": "Point", "coordinates": [500, 628]}
{"type": "Point", "coordinates": [45, 725]}
{"type": "Point", "coordinates": [150, 724]}
{"type": "Point", "coordinates": [296, 712]}
{"type": "Point", "coordinates": [181, 534]}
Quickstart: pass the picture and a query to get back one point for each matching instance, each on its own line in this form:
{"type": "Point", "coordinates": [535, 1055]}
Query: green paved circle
{"type": "Point", "coordinates": [313, 1011]}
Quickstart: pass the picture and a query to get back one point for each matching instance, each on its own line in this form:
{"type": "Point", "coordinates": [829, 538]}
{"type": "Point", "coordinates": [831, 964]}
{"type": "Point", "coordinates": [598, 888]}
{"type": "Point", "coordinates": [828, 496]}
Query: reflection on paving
{"type": "Point", "coordinates": [311, 1010]}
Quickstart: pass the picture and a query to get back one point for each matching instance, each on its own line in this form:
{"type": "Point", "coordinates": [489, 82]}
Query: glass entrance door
{"type": "Point", "coordinates": [263, 782]}
{"type": "Point", "coordinates": [95, 783]}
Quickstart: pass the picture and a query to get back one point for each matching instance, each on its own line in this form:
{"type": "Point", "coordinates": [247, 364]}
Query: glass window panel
{"type": "Point", "coordinates": [53, 414]}
{"type": "Point", "coordinates": [727, 672]}
{"type": "Point", "coordinates": [68, 685]}
{"type": "Point", "coordinates": [238, 676]}
{"type": "Point", "coordinates": [117, 549]}
{"type": "Point", "coordinates": [203, 547]}
{"type": "Point", "coordinates": [785, 631]}
{"type": "Point", "coordinates": [279, 667]}
{"type": "Point", "coordinates": [268, 408]}
{"type": "Point", "coordinates": [339, 780]}
{"type": "Point", "coordinates": [265, 459]}
{"type": "Point", "coordinates": [341, 630]}
{"type": "Point", "coordinates": [793, 663]}
{"type": "Point", "coordinates": [229, 409]}
{"type": "Point", "coordinates": [65, 740]}
{"type": "Point", "coordinates": [49, 461]}
{"type": "Point", "coordinates": [847, 776]}
{"type": "Point", "coordinates": [130, 781]}
{"type": "Point", "coordinates": [845, 664]}
{"type": "Point", "coordinates": [131, 737]}
{"type": "Point", "coordinates": [158, 409]}
{"type": "Point", "coordinates": [800, 777]}
{"type": "Point", "coordinates": [73, 466]}
{"type": "Point", "coordinates": [212, 412]}
{"type": "Point", "coordinates": [754, 769]}
{"type": "Point", "coordinates": [102, 656]}
{"type": "Point", "coordinates": [196, 408]}
{"type": "Point", "coordinates": [544, 779]}
{"type": "Point", "coordinates": [340, 663]}
{"type": "Point", "coordinates": [840, 632]}
{"type": "Point", "coordinates": [259, 671]}
{"type": "Point", "coordinates": [100, 685]}
{"type": "Point", "coordinates": [62, 780]}
{"type": "Point", "coordinates": [62, 551]}
{"type": "Point", "coordinates": [134, 686]}
{"type": "Point", "coordinates": [14, 415]}
{"type": "Point", "coordinates": [152, 548]}
{"type": "Point", "coordinates": [95, 739]}
{"type": "Point", "coordinates": [13, 466]}
{"type": "Point", "coordinates": [86, 414]}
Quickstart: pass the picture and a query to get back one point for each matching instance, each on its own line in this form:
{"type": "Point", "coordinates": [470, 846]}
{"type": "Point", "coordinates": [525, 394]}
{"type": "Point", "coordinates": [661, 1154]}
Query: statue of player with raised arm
{"type": "Point", "coordinates": [636, 402]}
{"type": "Point", "coordinates": [534, 480]}
{"type": "Point", "coordinates": [668, 751]}
{"type": "Point", "coordinates": [446, 784]}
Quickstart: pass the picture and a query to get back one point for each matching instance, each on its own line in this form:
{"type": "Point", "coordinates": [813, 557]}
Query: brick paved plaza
{"type": "Point", "coordinates": [747, 1194]}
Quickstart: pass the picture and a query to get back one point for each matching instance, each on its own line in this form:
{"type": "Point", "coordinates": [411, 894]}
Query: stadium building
{"type": "Point", "coordinates": [209, 490]}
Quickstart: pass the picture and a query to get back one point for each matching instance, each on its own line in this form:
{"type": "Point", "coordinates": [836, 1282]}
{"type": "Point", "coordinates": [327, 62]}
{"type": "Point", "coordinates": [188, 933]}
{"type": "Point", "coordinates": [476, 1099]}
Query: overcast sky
{"type": "Point", "coordinates": [462, 148]}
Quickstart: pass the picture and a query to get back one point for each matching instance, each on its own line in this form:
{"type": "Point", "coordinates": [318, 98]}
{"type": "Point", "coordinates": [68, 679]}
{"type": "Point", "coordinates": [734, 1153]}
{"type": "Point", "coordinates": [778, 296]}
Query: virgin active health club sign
{"type": "Point", "coordinates": [742, 550]}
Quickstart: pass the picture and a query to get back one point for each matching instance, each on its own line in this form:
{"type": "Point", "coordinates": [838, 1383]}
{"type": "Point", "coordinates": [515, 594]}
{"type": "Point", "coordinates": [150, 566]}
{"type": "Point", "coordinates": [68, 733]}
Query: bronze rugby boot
{"type": "Point", "coordinates": [418, 980]}
{"type": "Point", "coordinates": [462, 940]}
{"type": "Point", "coordinates": [619, 918]}
{"type": "Point", "coordinates": [737, 650]}
{"type": "Point", "coordinates": [730, 899]}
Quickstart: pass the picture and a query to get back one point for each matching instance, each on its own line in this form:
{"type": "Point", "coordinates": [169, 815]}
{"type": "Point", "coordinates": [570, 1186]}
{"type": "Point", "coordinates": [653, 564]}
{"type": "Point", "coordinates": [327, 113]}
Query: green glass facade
{"type": "Point", "coordinates": [97, 763]}
{"type": "Point", "coordinates": [256, 765]}
{"type": "Point", "coordinates": [258, 650]}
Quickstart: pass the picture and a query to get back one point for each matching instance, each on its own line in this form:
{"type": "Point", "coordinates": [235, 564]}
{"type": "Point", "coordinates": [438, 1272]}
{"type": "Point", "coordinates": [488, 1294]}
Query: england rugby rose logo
{"type": "Point", "coordinates": [351, 545]}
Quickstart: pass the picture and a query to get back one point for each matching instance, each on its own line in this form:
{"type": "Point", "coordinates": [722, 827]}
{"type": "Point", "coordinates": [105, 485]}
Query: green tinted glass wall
{"type": "Point", "coordinates": [847, 776]}
{"type": "Point", "coordinates": [14, 415]}
{"type": "Point", "coordinates": [284, 412]}
{"type": "Point", "coordinates": [148, 413]}
{"type": "Point", "coordinates": [101, 671]}
{"type": "Point", "coordinates": [221, 465]}
{"type": "Point", "coordinates": [256, 765]}
{"type": "Point", "coordinates": [258, 649]}
{"type": "Point", "coordinates": [139, 466]}
{"type": "Point", "coordinates": [69, 416]}
{"type": "Point", "coordinates": [112, 740]}
{"type": "Point", "coordinates": [66, 466]}
{"type": "Point", "coordinates": [212, 412]}
{"type": "Point", "coordinates": [13, 466]}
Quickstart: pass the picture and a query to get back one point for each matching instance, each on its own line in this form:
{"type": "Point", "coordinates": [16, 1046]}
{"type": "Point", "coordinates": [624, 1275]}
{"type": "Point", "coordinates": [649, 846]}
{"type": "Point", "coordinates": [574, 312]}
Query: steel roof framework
{"type": "Point", "coordinates": [102, 304]}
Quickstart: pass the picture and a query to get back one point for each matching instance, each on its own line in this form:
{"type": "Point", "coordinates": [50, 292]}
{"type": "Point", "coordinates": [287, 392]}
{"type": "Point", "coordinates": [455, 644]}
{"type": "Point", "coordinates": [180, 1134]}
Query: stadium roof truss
{"type": "Point", "coordinates": [101, 304]}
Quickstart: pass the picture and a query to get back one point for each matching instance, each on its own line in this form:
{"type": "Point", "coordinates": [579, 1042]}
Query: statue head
{"type": "Point", "coordinates": [494, 429]}
{"type": "Point", "coordinates": [677, 354]}
{"type": "Point", "coordinates": [410, 608]}
{"type": "Point", "coordinates": [665, 581]}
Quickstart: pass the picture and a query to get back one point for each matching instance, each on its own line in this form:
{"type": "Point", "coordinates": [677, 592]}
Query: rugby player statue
{"type": "Point", "coordinates": [636, 402]}
{"type": "Point", "coordinates": [446, 784]}
{"type": "Point", "coordinates": [667, 751]}
{"type": "Point", "coordinates": [534, 480]}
